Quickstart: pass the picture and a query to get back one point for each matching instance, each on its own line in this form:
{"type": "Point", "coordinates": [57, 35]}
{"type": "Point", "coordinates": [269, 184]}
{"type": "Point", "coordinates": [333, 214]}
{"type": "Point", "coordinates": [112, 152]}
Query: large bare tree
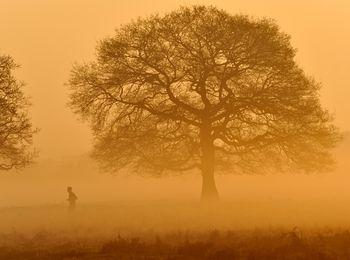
{"type": "Point", "coordinates": [199, 88]}
{"type": "Point", "coordinates": [16, 131]}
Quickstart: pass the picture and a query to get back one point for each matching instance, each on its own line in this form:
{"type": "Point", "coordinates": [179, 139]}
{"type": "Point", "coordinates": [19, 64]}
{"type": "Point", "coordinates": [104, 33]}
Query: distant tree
{"type": "Point", "coordinates": [16, 131]}
{"type": "Point", "coordinates": [201, 89]}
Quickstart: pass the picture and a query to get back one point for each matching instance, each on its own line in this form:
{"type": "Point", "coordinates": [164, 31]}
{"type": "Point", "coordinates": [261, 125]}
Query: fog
{"type": "Point", "coordinates": [246, 200]}
{"type": "Point", "coordinates": [47, 37]}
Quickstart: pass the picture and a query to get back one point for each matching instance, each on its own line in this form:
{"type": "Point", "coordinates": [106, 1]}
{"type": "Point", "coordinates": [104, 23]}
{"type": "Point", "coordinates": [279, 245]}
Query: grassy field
{"type": "Point", "coordinates": [257, 245]}
{"type": "Point", "coordinates": [177, 230]}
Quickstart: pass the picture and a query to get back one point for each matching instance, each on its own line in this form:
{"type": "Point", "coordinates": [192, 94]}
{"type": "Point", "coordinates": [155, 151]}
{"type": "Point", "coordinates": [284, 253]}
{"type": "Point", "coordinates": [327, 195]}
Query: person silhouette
{"type": "Point", "coordinates": [71, 198]}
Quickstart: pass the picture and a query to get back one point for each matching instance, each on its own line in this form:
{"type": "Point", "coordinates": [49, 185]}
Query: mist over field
{"type": "Point", "coordinates": [268, 216]}
{"type": "Point", "coordinates": [309, 200]}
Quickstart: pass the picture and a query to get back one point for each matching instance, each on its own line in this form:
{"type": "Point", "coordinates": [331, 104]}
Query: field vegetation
{"type": "Point", "coordinates": [174, 230]}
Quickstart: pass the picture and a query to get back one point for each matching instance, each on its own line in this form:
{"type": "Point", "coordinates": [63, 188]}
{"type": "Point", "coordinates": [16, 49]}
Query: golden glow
{"type": "Point", "coordinates": [47, 37]}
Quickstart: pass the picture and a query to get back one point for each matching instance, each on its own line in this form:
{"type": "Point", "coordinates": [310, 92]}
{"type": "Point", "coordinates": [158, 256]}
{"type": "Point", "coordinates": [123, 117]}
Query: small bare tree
{"type": "Point", "coordinates": [16, 131]}
{"type": "Point", "coordinates": [201, 89]}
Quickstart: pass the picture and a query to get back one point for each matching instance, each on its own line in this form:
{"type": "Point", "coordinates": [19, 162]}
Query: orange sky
{"type": "Point", "coordinates": [47, 36]}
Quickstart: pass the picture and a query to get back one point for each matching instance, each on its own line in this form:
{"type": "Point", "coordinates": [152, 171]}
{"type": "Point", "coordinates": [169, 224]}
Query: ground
{"type": "Point", "coordinates": [177, 230]}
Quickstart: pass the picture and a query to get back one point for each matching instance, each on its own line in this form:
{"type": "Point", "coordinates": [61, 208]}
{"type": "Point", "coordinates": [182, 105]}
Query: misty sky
{"type": "Point", "coordinates": [46, 37]}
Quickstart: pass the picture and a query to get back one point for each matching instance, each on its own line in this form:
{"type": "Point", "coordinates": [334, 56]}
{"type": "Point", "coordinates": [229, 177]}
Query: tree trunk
{"type": "Point", "coordinates": [209, 191]}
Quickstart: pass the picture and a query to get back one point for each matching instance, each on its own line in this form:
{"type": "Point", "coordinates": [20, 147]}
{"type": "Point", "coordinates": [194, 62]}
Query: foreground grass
{"type": "Point", "coordinates": [177, 230]}
{"type": "Point", "coordinates": [250, 245]}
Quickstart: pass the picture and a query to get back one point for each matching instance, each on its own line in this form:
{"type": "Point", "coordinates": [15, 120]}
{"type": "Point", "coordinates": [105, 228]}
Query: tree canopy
{"type": "Point", "coordinates": [16, 131]}
{"type": "Point", "coordinates": [198, 88]}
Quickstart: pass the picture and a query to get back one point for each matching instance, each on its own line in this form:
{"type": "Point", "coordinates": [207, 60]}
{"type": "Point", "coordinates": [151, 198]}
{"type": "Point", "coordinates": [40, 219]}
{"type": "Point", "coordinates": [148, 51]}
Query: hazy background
{"type": "Point", "coordinates": [46, 37]}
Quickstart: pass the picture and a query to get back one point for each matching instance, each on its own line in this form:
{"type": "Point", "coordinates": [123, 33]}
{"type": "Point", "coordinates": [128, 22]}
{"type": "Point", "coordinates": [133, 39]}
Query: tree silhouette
{"type": "Point", "coordinates": [16, 131]}
{"type": "Point", "coordinates": [201, 89]}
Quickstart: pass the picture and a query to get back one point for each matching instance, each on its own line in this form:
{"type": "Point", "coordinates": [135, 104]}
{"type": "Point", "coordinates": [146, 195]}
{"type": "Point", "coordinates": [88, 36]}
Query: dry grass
{"type": "Point", "coordinates": [169, 230]}
{"type": "Point", "coordinates": [250, 245]}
